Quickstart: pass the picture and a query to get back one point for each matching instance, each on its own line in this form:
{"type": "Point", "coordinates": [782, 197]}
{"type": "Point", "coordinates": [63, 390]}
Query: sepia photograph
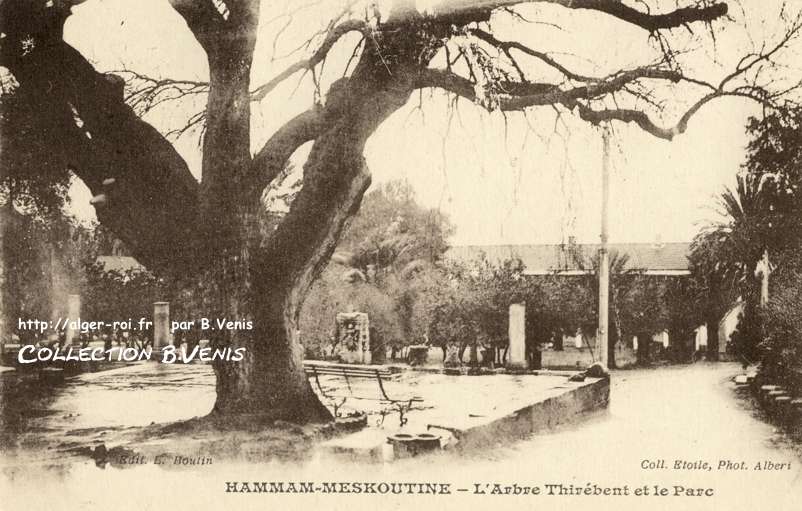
{"type": "Point", "coordinates": [400, 254]}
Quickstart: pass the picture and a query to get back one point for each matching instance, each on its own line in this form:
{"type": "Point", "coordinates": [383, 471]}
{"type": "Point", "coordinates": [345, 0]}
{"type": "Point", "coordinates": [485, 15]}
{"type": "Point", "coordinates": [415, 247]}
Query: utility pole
{"type": "Point", "coordinates": [604, 258]}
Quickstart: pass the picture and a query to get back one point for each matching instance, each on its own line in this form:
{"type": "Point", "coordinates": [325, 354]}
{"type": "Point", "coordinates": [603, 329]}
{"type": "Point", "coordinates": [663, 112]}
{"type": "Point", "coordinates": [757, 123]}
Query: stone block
{"type": "Point", "coordinates": [517, 333]}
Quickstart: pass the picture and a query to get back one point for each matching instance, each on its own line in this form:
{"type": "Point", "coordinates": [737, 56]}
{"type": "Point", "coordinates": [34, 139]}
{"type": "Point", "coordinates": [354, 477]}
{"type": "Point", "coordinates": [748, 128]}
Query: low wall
{"type": "Point", "coordinates": [555, 402]}
{"type": "Point", "coordinates": [782, 405]}
{"type": "Point", "coordinates": [564, 408]}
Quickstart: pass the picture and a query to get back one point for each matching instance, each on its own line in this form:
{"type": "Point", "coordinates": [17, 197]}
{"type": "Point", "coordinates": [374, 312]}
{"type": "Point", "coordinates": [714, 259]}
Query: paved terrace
{"type": "Point", "coordinates": [102, 406]}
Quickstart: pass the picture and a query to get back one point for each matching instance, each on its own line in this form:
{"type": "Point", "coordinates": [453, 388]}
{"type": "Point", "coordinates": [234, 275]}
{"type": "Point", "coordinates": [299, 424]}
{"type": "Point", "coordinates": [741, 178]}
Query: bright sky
{"type": "Point", "coordinates": [519, 183]}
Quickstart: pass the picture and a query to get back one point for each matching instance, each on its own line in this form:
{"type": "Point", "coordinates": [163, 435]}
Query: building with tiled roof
{"type": "Point", "coordinates": [576, 259]}
{"type": "Point", "coordinates": [659, 259]}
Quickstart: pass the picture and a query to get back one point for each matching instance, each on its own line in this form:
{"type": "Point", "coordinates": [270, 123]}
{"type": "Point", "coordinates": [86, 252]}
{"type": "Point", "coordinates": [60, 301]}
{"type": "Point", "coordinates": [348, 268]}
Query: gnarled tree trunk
{"type": "Point", "coordinates": [282, 267]}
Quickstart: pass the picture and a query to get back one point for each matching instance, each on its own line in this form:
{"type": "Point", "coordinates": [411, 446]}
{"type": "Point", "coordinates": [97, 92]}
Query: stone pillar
{"type": "Point", "coordinates": [353, 337]}
{"type": "Point", "coordinates": [161, 325]}
{"type": "Point", "coordinates": [516, 355]}
{"type": "Point", "coordinates": [364, 338]}
{"type": "Point", "coordinates": [73, 315]}
{"type": "Point", "coordinates": [764, 270]}
{"type": "Point", "coordinates": [701, 337]}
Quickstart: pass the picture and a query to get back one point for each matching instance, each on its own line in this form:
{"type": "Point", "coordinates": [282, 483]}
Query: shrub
{"type": "Point", "coordinates": [782, 348]}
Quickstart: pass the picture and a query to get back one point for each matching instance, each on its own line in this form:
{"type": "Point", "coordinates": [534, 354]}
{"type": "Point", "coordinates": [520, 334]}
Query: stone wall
{"type": "Point", "coordinates": [565, 408]}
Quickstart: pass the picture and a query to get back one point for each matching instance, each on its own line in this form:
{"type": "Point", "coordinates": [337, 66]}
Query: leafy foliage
{"type": "Point", "coordinates": [42, 263]}
{"type": "Point", "coordinates": [29, 181]}
{"type": "Point", "coordinates": [393, 233]}
{"type": "Point", "coordinates": [781, 349]}
{"type": "Point", "coordinates": [387, 265]}
{"type": "Point", "coordinates": [761, 218]}
{"type": "Point", "coordinates": [476, 311]}
{"type": "Point", "coordinates": [774, 156]}
{"type": "Point", "coordinates": [724, 256]}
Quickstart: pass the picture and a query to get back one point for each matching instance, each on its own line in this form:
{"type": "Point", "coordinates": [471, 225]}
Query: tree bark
{"type": "Point", "coordinates": [644, 348]}
{"type": "Point", "coordinates": [612, 341]}
{"type": "Point", "coordinates": [712, 339]}
{"type": "Point", "coordinates": [269, 383]}
{"type": "Point", "coordinates": [558, 341]}
{"type": "Point", "coordinates": [463, 347]}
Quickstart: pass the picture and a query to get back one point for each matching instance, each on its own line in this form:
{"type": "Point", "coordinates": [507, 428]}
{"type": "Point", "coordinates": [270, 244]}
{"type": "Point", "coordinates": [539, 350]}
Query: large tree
{"type": "Point", "coordinates": [759, 222]}
{"type": "Point", "coordinates": [726, 253]}
{"type": "Point", "coordinates": [213, 231]}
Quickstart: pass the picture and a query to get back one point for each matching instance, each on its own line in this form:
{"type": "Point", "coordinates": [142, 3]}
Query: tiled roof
{"type": "Point", "coordinates": [541, 259]}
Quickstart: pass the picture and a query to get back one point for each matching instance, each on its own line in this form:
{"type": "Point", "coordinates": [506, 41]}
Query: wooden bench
{"type": "Point", "coordinates": [348, 371]}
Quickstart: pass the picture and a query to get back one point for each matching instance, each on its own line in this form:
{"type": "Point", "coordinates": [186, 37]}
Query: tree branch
{"type": "Point", "coordinates": [640, 118]}
{"type": "Point", "coordinates": [524, 98]}
{"type": "Point", "coordinates": [505, 46]}
{"type": "Point", "coordinates": [145, 196]}
{"type": "Point", "coordinates": [331, 38]}
{"type": "Point", "coordinates": [144, 93]}
{"type": "Point", "coordinates": [274, 155]}
{"type": "Point", "coordinates": [528, 95]}
{"type": "Point", "coordinates": [518, 96]}
{"type": "Point", "coordinates": [462, 12]}
{"type": "Point", "coordinates": [451, 82]}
